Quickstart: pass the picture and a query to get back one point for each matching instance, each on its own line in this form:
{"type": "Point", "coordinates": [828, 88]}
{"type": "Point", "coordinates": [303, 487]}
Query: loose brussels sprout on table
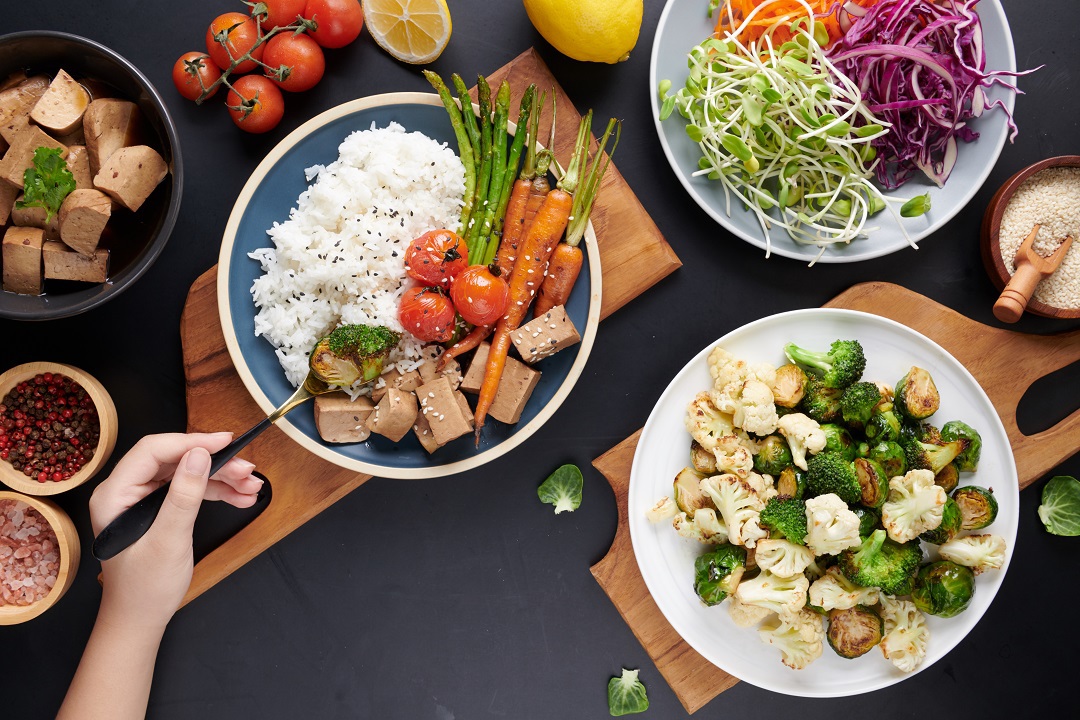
{"type": "Point", "coordinates": [978, 506]}
{"type": "Point", "coordinates": [854, 631]}
{"type": "Point", "coordinates": [717, 573]}
{"type": "Point", "coordinates": [943, 588]}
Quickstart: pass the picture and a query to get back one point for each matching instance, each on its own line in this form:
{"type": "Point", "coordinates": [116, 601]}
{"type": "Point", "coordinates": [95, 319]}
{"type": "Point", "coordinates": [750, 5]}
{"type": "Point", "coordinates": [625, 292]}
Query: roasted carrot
{"type": "Point", "coordinates": [514, 221]}
{"type": "Point", "coordinates": [476, 336]}
{"type": "Point", "coordinates": [562, 273]}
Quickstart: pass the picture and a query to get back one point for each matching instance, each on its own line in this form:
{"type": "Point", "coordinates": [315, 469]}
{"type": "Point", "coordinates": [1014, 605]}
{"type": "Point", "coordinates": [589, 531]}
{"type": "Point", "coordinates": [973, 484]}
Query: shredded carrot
{"type": "Point", "coordinates": [781, 13]}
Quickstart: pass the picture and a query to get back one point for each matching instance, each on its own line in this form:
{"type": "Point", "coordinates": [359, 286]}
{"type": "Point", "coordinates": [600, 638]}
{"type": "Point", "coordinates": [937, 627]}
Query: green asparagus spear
{"type": "Point", "coordinates": [513, 161]}
{"type": "Point", "coordinates": [468, 115]}
{"type": "Point", "coordinates": [472, 239]}
{"type": "Point", "coordinates": [498, 166]}
{"type": "Point", "coordinates": [464, 145]}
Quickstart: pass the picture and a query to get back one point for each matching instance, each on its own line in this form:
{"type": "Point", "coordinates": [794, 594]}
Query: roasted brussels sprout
{"type": "Point", "coordinates": [789, 386]}
{"type": "Point", "coordinates": [869, 520]}
{"type": "Point", "coordinates": [702, 460]}
{"type": "Point", "coordinates": [821, 403]}
{"type": "Point", "coordinates": [968, 460]}
{"type": "Point", "coordinates": [838, 440]}
{"type": "Point", "coordinates": [890, 456]}
{"type": "Point", "coordinates": [687, 491]}
{"type": "Point", "coordinates": [857, 404]}
{"type": "Point", "coordinates": [926, 449]}
{"type": "Point", "coordinates": [854, 631]}
{"type": "Point", "coordinates": [351, 354]}
{"type": "Point", "coordinates": [862, 450]}
{"type": "Point", "coordinates": [949, 527]}
{"type": "Point", "coordinates": [948, 477]}
{"type": "Point", "coordinates": [873, 481]}
{"type": "Point", "coordinates": [943, 588]}
{"type": "Point", "coordinates": [774, 456]}
{"type": "Point", "coordinates": [883, 427]}
{"type": "Point", "coordinates": [978, 506]}
{"type": "Point", "coordinates": [916, 396]}
{"type": "Point", "coordinates": [791, 483]}
{"type": "Point", "coordinates": [717, 573]}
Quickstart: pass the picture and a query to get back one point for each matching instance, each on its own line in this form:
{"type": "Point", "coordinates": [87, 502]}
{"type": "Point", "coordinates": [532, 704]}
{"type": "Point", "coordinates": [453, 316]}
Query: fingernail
{"type": "Point", "coordinates": [197, 462]}
{"type": "Point", "coordinates": [246, 465]}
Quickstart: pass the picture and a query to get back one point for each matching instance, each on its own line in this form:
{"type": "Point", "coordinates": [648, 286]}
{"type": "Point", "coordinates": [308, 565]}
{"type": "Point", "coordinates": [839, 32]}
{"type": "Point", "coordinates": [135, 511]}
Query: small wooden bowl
{"type": "Point", "coordinates": [67, 541]}
{"type": "Point", "coordinates": [106, 417]}
{"type": "Point", "coordinates": [991, 224]}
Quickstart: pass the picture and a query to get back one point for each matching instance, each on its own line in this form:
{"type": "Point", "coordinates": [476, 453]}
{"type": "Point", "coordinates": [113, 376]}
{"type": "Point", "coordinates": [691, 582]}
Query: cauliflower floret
{"type": "Point", "coordinates": [830, 526]}
{"type": "Point", "coordinates": [704, 527]}
{"type": "Point", "coordinates": [781, 557]}
{"type": "Point", "coordinates": [906, 634]}
{"type": "Point", "coordinates": [799, 637]}
{"type": "Point", "coordinates": [725, 369]}
{"type": "Point", "coordinates": [786, 596]}
{"type": "Point", "coordinates": [706, 423]}
{"type": "Point", "coordinates": [803, 435]}
{"type": "Point", "coordinates": [664, 509]}
{"type": "Point", "coordinates": [739, 505]}
{"type": "Point", "coordinates": [978, 552]}
{"type": "Point", "coordinates": [833, 591]}
{"type": "Point", "coordinates": [756, 412]}
{"type": "Point", "coordinates": [745, 615]}
{"type": "Point", "coordinates": [764, 485]}
{"type": "Point", "coordinates": [915, 505]}
{"type": "Point", "coordinates": [734, 456]}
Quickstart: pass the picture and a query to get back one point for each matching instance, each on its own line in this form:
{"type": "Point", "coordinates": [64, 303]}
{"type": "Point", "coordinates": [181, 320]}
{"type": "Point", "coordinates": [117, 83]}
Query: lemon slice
{"type": "Point", "coordinates": [413, 31]}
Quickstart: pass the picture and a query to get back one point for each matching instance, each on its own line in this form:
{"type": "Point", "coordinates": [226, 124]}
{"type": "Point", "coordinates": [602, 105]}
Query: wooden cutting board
{"type": "Point", "coordinates": [1004, 362]}
{"type": "Point", "coordinates": [633, 255]}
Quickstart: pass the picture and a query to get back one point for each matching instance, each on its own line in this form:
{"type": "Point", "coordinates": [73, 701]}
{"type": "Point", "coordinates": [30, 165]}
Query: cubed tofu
{"type": "Point", "coordinates": [83, 217]}
{"type": "Point", "coordinates": [12, 80]}
{"type": "Point", "coordinates": [428, 367]}
{"type": "Point", "coordinates": [20, 155]}
{"type": "Point", "coordinates": [35, 217]}
{"type": "Point", "coordinates": [394, 378]}
{"type": "Point", "coordinates": [8, 193]}
{"type": "Point", "coordinates": [63, 263]}
{"type": "Point", "coordinates": [341, 420]}
{"type": "Point", "coordinates": [394, 416]}
{"type": "Point", "coordinates": [22, 260]}
{"type": "Point", "coordinates": [16, 104]}
{"type": "Point", "coordinates": [546, 335]}
{"type": "Point", "coordinates": [109, 125]}
{"type": "Point", "coordinates": [130, 175]}
{"type": "Point", "coordinates": [443, 413]}
{"type": "Point", "coordinates": [463, 403]}
{"type": "Point", "coordinates": [78, 162]}
{"type": "Point", "coordinates": [62, 106]}
{"type": "Point", "coordinates": [515, 387]}
{"type": "Point", "coordinates": [422, 429]}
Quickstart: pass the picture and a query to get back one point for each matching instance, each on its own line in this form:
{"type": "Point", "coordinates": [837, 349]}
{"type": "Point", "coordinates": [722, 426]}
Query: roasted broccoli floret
{"type": "Point", "coordinates": [879, 562]}
{"type": "Point", "coordinates": [841, 366]}
{"type": "Point", "coordinates": [978, 506]}
{"type": "Point", "coordinates": [785, 517]}
{"type": "Point", "coordinates": [821, 403]}
{"type": "Point", "coordinates": [838, 440]}
{"type": "Point", "coordinates": [351, 354]}
{"type": "Point", "coordinates": [789, 386]}
{"type": "Point", "coordinates": [890, 456]}
{"type": "Point", "coordinates": [929, 451]}
{"type": "Point", "coordinates": [829, 472]}
{"type": "Point", "coordinates": [949, 527]}
{"type": "Point", "coordinates": [717, 573]}
{"type": "Point", "coordinates": [857, 404]}
{"type": "Point", "coordinates": [968, 459]}
{"type": "Point", "coordinates": [916, 396]}
{"type": "Point", "coordinates": [943, 588]}
{"type": "Point", "coordinates": [854, 631]}
{"type": "Point", "coordinates": [773, 456]}
{"type": "Point", "coordinates": [882, 427]}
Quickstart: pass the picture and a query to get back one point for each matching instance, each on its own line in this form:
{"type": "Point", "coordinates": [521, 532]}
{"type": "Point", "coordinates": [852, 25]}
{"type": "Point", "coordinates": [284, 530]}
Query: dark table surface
{"type": "Point", "coordinates": [465, 597]}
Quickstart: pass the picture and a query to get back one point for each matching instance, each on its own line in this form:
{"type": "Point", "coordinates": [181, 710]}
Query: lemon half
{"type": "Point", "coordinates": [413, 31]}
{"type": "Point", "coordinates": [594, 30]}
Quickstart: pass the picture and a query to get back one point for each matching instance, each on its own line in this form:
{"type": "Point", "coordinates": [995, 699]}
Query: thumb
{"type": "Point", "coordinates": [177, 515]}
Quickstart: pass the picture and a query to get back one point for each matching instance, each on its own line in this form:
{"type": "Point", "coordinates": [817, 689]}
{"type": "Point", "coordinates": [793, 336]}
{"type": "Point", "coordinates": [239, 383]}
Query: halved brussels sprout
{"type": "Point", "coordinates": [950, 525]}
{"type": "Point", "coordinates": [916, 395]}
{"type": "Point", "coordinates": [687, 491]}
{"type": "Point", "coordinates": [791, 482]}
{"type": "Point", "coordinates": [717, 573]}
{"type": "Point", "coordinates": [702, 460]}
{"type": "Point", "coordinates": [948, 477]}
{"type": "Point", "coordinates": [943, 588]}
{"type": "Point", "coordinates": [774, 456]}
{"type": "Point", "coordinates": [854, 631]}
{"type": "Point", "coordinates": [789, 386]}
{"type": "Point", "coordinates": [873, 481]}
{"type": "Point", "coordinates": [978, 506]}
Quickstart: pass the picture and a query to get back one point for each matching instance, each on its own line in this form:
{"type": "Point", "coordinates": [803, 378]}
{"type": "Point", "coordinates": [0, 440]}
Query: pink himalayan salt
{"type": "Point", "coordinates": [29, 554]}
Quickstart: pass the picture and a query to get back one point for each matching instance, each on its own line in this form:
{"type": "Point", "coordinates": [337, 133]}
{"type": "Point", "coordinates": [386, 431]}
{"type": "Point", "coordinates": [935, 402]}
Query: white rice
{"type": "Point", "coordinates": [339, 258]}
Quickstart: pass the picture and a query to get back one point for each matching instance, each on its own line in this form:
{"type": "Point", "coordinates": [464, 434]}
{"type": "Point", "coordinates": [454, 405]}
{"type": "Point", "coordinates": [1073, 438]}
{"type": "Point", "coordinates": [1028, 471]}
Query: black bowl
{"type": "Point", "coordinates": [136, 238]}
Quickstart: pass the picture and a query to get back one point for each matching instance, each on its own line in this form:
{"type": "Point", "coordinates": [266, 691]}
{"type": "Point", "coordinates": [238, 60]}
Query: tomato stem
{"type": "Point", "coordinates": [222, 38]}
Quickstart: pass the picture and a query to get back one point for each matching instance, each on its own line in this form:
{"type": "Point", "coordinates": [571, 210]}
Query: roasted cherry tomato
{"type": "Point", "coordinates": [279, 13]}
{"type": "Point", "coordinates": [230, 36]}
{"type": "Point", "coordinates": [480, 296]}
{"type": "Point", "coordinates": [427, 313]}
{"type": "Point", "coordinates": [259, 106]}
{"type": "Point", "coordinates": [302, 57]}
{"type": "Point", "coordinates": [339, 21]}
{"type": "Point", "coordinates": [436, 258]}
{"type": "Point", "coordinates": [187, 71]}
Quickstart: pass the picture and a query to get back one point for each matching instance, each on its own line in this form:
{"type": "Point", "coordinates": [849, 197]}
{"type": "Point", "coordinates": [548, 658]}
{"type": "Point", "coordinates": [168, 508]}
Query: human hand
{"type": "Point", "coordinates": [145, 584]}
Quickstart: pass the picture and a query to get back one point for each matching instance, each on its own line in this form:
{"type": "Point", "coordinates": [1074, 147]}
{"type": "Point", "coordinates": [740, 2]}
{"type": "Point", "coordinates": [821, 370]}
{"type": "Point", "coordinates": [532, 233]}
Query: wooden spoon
{"type": "Point", "coordinates": [1031, 267]}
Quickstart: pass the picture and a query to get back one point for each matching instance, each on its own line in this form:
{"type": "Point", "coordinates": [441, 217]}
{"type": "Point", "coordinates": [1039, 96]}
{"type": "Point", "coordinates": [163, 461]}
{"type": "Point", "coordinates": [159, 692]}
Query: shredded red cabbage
{"type": "Point", "coordinates": [921, 67]}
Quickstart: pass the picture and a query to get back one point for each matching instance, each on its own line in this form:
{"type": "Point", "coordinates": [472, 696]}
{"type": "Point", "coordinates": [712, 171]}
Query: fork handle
{"type": "Point", "coordinates": [1014, 298]}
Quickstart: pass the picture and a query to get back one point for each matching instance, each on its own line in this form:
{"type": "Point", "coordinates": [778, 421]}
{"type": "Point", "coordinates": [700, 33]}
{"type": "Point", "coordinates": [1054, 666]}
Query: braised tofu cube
{"type": "Point", "coordinates": [394, 378]}
{"type": "Point", "coordinates": [341, 420]}
{"type": "Point", "coordinates": [17, 102]}
{"type": "Point", "coordinates": [429, 371]}
{"type": "Point", "coordinates": [63, 263]}
{"type": "Point", "coordinates": [20, 155]}
{"type": "Point", "coordinates": [34, 216]}
{"type": "Point", "coordinates": [8, 193]}
{"type": "Point", "coordinates": [395, 414]}
{"type": "Point", "coordinates": [463, 403]}
{"type": "Point", "coordinates": [422, 428]}
{"type": "Point", "coordinates": [83, 217]}
{"type": "Point", "coordinates": [438, 404]}
{"type": "Point", "coordinates": [22, 260]}
{"type": "Point", "coordinates": [546, 335]}
{"type": "Point", "coordinates": [130, 175]}
{"type": "Point", "coordinates": [515, 387]}
{"type": "Point", "coordinates": [62, 106]}
{"type": "Point", "coordinates": [78, 162]}
{"type": "Point", "coordinates": [109, 125]}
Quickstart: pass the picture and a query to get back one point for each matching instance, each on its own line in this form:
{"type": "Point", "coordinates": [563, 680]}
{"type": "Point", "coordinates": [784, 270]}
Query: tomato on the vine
{"type": "Point", "coordinates": [229, 37]}
{"type": "Point", "coordinates": [187, 72]}
{"type": "Point", "coordinates": [279, 13]}
{"type": "Point", "coordinates": [427, 313]}
{"type": "Point", "coordinates": [480, 296]}
{"type": "Point", "coordinates": [436, 257]}
{"type": "Point", "coordinates": [339, 21]}
{"type": "Point", "coordinates": [259, 106]}
{"type": "Point", "coordinates": [301, 55]}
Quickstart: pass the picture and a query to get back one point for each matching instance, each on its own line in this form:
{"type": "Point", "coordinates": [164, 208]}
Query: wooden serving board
{"type": "Point", "coordinates": [633, 255]}
{"type": "Point", "coordinates": [990, 354]}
